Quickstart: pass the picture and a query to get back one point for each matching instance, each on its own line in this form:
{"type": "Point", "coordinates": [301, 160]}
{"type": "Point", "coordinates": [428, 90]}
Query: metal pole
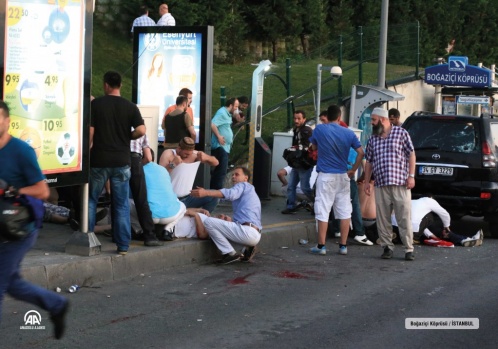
{"type": "Point", "coordinates": [84, 208]}
{"type": "Point", "coordinates": [339, 83]}
{"type": "Point", "coordinates": [381, 77]}
{"type": "Point", "coordinates": [418, 50]}
{"type": "Point", "coordinates": [360, 58]}
{"type": "Point", "coordinates": [288, 88]}
{"type": "Point", "coordinates": [318, 91]}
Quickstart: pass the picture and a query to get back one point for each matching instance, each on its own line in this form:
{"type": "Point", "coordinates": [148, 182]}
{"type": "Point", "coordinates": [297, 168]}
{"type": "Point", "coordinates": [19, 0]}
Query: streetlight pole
{"type": "Point", "coordinates": [258, 79]}
{"type": "Point", "coordinates": [381, 78]}
{"type": "Point", "coordinates": [336, 72]}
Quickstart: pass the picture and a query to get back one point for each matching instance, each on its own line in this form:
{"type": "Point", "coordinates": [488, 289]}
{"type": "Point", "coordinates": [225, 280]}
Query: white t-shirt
{"type": "Point", "coordinates": [420, 208]}
{"type": "Point", "coordinates": [183, 177]}
{"type": "Point", "coordinates": [185, 228]}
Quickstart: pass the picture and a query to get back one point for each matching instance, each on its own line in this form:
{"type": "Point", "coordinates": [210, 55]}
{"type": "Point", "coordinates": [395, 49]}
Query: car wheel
{"type": "Point", "coordinates": [493, 226]}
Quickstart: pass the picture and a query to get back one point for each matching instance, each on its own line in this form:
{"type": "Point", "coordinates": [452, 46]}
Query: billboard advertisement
{"type": "Point", "coordinates": [167, 59]}
{"type": "Point", "coordinates": [44, 59]}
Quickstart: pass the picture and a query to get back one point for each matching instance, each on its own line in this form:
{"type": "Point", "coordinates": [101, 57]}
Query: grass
{"type": "Point", "coordinates": [111, 52]}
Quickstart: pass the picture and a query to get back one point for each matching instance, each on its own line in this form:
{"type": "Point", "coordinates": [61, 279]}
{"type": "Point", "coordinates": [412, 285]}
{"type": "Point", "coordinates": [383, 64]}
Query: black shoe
{"type": "Point", "coordinates": [168, 235]}
{"type": "Point", "coordinates": [388, 253]}
{"type": "Point", "coordinates": [289, 211]}
{"type": "Point", "coordinates": [100, 215]}
{"type": "Point", "coordinates": [248, 253]}
{"type": "Point", "coordinates": [59, 321]}
{"type": "Point", "coordinates": [152, 241]}
{"type": "Point", "coordinates": [137, 235]}
{"type": "Point", "coordinates": [409, 256]}
{"type": "Point", "coordinates": [73, 223]}
{"type": "Point", "coordinates": [230, 258]}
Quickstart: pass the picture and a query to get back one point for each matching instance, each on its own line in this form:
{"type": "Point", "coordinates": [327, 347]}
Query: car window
{"type": "Point", "coordinates": [494, 132]}
{"type": "Point", "coordinates": [445, 135]}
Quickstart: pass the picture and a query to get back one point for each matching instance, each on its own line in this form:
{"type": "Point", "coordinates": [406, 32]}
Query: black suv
{"type": "Point", "coordinates": [457, 162]}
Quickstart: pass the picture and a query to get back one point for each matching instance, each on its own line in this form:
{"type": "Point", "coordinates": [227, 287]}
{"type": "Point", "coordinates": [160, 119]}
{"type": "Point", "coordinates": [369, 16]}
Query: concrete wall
{"type": "Point", "coordinates": [418, 96]}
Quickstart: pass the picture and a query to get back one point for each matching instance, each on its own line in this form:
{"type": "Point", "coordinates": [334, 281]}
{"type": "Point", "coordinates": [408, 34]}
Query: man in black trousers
{"type": "Point", "coordinates": [140, 154]}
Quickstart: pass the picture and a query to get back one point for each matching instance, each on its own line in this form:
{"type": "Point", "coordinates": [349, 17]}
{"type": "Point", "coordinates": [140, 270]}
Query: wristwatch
{"type": "Point", "coordinates": [412, 175]}
{"type": "Point", "coordinates": [171, 165]}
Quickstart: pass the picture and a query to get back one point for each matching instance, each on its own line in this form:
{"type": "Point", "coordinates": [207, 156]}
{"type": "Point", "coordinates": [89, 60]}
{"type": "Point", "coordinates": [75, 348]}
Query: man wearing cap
{"type": "Point", "coordinates": [182, 164]}
{"type": "Point", "coordinates": [390, 156]}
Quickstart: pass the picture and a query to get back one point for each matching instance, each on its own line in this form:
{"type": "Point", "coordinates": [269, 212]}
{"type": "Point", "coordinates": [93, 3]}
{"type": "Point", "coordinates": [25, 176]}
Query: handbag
{"type": "Point", "coordinates": [298, 158]}
{"type": "Point", "coordinates": [16, 212]}
{"type": "Point", "coordinates": [14, 217]}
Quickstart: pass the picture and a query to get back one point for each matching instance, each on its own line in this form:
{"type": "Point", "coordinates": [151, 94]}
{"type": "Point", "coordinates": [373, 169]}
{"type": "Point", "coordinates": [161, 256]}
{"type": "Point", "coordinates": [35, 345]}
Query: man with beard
{"type": "Point", "coordinates": [301, 172]}
{"type": "Point", "coordinates": [391, 157]}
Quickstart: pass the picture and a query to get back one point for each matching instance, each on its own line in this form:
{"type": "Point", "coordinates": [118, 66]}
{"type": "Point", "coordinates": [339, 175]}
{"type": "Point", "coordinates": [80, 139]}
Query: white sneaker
{"type": "Point", "coordinates": [468, 242]}
{"type": "Point", "coordinates": [362, 239]}
{"type": "Point", "coordinates": [337, 234]}
{"type": "Point", "coordinates": [478, 235]}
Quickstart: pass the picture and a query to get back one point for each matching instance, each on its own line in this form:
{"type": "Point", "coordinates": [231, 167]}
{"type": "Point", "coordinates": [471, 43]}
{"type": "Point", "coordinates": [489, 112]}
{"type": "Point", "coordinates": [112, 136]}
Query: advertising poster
{"type": "Point", "coordinates": [168, 62]}
{"type": "Point", "coordinates": [43, 79]}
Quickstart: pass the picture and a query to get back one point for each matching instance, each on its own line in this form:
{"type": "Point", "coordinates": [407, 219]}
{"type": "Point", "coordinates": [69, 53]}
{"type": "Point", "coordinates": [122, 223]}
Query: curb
{"type": "Point", "coordinates": [107, 266]}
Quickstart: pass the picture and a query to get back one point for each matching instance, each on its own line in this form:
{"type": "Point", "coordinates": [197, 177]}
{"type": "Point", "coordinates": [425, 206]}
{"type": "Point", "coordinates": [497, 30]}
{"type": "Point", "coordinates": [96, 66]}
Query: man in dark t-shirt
{"type": "Point", "coordinates": [112, 119]}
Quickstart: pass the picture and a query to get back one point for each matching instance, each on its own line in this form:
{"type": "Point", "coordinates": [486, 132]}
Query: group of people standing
{"type": "Point", "coordinates": [144, 20]}
{"type": "Point", "coordinates": [390, 160]}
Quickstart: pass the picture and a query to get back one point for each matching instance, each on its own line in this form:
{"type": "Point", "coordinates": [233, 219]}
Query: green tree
{"type": "Point", "coordinates": [273, 21]}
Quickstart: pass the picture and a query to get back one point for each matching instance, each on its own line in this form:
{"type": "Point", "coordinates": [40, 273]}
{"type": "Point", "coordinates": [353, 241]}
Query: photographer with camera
{"type": "Point", "coordinates": [297, 158]}
{"type": "Point", "coordinates": [19, 168]}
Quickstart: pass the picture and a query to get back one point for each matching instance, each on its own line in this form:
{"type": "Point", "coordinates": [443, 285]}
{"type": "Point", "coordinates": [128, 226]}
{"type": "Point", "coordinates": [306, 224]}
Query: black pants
{"type": "Point", "coordinates": [139, 193]}
{"type": "Point", "coordinates": [436, 226]}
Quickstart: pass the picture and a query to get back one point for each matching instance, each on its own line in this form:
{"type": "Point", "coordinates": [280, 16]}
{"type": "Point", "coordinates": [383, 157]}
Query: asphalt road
{"type": "Point", "coordinates": [286, 298]}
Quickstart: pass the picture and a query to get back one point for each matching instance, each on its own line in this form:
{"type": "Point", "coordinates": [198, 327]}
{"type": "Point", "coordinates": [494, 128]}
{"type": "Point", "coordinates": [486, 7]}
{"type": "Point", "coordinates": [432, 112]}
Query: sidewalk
{"type": "Point", "coordinates": [49, 266]}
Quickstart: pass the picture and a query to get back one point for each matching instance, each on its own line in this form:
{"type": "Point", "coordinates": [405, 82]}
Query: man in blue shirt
{"type": "Point", "coordinates": [19, 168]}
{"type": "Point", "coordinates": [245, 227]}
{"type": "Point", "coordinates": [333, 183]}
{"type": "Point", "coordinates": [221, 140]}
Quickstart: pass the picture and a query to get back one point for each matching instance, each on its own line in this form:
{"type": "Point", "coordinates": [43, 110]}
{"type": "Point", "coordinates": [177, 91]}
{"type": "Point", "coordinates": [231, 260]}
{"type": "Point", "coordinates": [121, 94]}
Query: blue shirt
{"type": "Point", "coordinates": [245, 202]}
{"type": "Point", "coordinates": [160, 195]}
{"type": "Point", "coordinates": [223, 120]}
{"type": "Point", "coordinates": [18, 164]}
{"type": "Point", "coordinates": [333, 142]}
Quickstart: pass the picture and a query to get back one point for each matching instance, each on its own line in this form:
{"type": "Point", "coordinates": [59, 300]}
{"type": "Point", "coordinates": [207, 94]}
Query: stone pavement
{"type": "Point", "coordinates": [49, 266]}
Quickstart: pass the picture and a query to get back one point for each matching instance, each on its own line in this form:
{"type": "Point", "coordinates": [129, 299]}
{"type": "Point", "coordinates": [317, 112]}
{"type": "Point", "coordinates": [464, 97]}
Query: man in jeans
{"type": "Point", "coordinates": [301, 173]}
{"type": "Point", "coordinates": [222, 139]}
{"type": "Point", "coordinates": [19, 168]}
{"type": "Point", "coordinates": [112, 119]}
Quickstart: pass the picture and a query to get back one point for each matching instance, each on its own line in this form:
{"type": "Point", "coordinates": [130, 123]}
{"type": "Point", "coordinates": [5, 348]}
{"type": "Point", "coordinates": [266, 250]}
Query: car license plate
{"type": "Point", "coordinates": [435, 170]}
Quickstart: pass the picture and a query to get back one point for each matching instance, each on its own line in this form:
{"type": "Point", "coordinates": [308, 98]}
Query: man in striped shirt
{"type": "Point", "coordinates": [391, 157]}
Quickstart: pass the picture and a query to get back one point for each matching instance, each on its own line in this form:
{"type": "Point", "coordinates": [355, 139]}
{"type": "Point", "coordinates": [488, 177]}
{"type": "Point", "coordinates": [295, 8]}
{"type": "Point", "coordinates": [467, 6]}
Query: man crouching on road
{"type": "Point", "coordinates": [245, 228]}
